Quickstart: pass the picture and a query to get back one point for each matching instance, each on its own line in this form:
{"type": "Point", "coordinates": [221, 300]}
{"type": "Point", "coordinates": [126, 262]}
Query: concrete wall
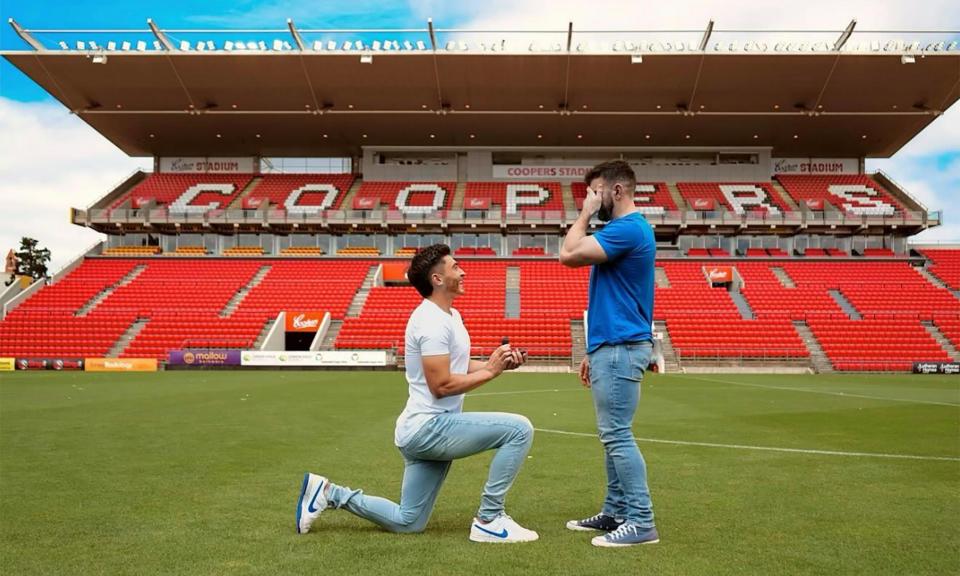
{"type": "Point", "coordinates": [477, 165]}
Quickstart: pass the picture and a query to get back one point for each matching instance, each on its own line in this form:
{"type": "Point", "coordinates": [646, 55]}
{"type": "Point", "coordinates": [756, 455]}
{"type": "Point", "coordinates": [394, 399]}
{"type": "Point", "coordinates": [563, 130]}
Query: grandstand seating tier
{"type": "Point", "coordinates": [181, 300]}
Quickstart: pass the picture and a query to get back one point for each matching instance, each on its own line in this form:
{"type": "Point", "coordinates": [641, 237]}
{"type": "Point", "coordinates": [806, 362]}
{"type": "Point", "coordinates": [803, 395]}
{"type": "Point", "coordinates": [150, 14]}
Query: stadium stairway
{"type": "Point", "coordinates": [356, 305]}
{"type": "Point", "coordinates": [347, 202]}
{"type": "Point", "coordinates": [787, 198]}
{"type": "Point", "coordinates": [942, 340]}
{"type": "Point", "coordinates": [264, 332]}
{"type": "Point", "coordinates": [237, 202]}
{"type": "Point", "coordinates": [458, 196]}
{"type": "Point", "coordinates": [817, 356]}
{"type": "Point", "coordinates": [742, 305]}
{"type": "Point", "coordinates": [331, 336]}
{"type": "Point", "coordinates": [933, 278]}
{"type": "Point", "coordinates": [127, 337]}
{"type": "Point", "coordinates": [104, 294]}
{"type": "Point", "coordinates": [234, 302]}
{"type": "Point", "coordinates": [569, 204]}
{"type": "Point", "coordinates": [671, 364]}
{"type": "Point", "coordinates": [578, 343]}
{"type": "Point", "coordinates": [511, 306]}
{"type": "Point", "coordinates": [785, 280]}
{"type": "Point", "coordinates": [845, 305]}
{"type": "Point", "coordinates": [660, 277]}
{"type": "Point", "coordinates": [678, 198]}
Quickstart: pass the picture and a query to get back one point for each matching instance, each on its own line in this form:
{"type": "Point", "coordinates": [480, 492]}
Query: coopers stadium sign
{"type": "Point", "coordinates": [202, 165]}
{"type": "Point", "coordinates": [540, 172]}
{"type": "Point", "coordinates": [816, 166]}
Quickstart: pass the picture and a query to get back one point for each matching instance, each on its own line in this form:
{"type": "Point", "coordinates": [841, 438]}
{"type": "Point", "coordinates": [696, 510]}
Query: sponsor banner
{"type": "Point", "coordinates": [395, 273]}
{"type": "Point", "coordinates": [477, 204]}
{"type": "Point", "coordinates": [121, 365]}
{"type": "Point", "coordinates": [207, 165]}
{"type": "Point", "coordinates": [815, 204]}
{"type": "Point", "coordinates": [311, 359]}
{"type": "Point", "coordinates": [204, 357]}
{"type": "Point", "coordinates": [49, 364]}
{"type": "Point", "coordinates": [541, 172]}
{"type": "Point", "coordinates": [720, 274]}
{"type": "Point", "coordinates": [8, 364]}
{"type": "Point", "coordinates": [816, 166]}
{"type": "Point", "coordinates": [252, 203]}
{"type": "Point", "coordinates": [702, 204]}
{"type": "Point", "coordinates": [304, 321]}
{"type": "Point", "coordinates": [936, 367]}
{"type": "Point", "coordinates": [365, 203]}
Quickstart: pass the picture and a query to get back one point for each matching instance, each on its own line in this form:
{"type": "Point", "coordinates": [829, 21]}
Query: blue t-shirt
{"type": "Point", "coordinates": [621, 289]}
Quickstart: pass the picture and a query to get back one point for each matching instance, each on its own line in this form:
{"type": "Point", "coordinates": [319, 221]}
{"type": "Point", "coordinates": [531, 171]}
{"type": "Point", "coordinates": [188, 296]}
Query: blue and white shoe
{"type": "Point", "coordinates": [501, 530]}
{"type": "Point", "coordinates": [627, 535]}
{"type": "Point", "coordinates": [312, 501]}
{"type": "Point", "coordinates": [600, 522]}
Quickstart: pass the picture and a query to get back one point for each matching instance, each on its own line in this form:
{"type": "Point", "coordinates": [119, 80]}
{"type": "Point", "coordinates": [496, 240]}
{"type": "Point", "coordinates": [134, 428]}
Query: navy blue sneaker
{"type": "Point", "coordinates": [601, 522]}
{"type": "Point", "coordinates": [627, 535]}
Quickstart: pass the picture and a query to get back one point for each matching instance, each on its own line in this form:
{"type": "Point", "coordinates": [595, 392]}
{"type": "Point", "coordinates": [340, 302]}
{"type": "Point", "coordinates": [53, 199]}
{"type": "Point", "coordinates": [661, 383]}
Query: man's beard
{"type": "Point", "coordinates": [604, 213]}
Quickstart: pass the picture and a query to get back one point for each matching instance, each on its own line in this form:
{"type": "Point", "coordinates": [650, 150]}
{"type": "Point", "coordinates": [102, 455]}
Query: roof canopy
{"type": "Point", "coordinates": [306, 103]}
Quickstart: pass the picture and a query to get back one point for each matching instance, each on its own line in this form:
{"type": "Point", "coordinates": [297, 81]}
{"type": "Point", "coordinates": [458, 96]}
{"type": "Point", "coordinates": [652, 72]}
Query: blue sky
{"type": "Point", "coordinates": [87, 166]}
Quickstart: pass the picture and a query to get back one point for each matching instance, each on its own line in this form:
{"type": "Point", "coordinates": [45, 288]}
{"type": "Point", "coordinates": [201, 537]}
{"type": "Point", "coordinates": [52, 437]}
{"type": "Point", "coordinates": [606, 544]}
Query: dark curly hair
{"type": "Point", "coordinates": [423, 262]}
{"type": "Point", "coordinates": [612, 172]}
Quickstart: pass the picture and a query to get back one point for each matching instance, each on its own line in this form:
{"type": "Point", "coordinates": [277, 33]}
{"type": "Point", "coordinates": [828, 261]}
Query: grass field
{"type": "Point", "coordinates": [198, 473]}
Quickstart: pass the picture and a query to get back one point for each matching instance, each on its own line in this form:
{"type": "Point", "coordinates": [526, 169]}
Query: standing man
{"type": "Point", "coordinates": [619, 344]}
{"type": "Point", "coordinates": [433, 431]}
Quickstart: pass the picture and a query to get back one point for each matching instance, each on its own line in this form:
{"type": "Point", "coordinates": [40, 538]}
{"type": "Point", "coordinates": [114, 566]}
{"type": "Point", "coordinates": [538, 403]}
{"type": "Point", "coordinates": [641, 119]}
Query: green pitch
{"type": "Point", "coordinates": [199, 472]}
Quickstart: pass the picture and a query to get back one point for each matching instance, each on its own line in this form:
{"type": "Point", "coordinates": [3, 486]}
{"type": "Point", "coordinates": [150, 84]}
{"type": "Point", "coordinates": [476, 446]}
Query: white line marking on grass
{"type": "Point", "coordinates": [826, 392]}
{"type": "Point", "coordinates": [471, 395]}
{"type": "Point", "coordinates": [767, 448]}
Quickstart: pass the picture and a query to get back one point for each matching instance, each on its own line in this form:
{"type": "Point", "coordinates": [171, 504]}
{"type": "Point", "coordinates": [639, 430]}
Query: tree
{"type": "Point", "coordinates": [31, 260]}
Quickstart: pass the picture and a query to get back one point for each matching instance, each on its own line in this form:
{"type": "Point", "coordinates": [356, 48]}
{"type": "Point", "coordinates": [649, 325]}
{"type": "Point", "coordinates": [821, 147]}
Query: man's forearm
{"type": "Point", "coordinates": [476, 365]}
{"type": "Point", "coordinates": [577, 232]}
{"type": "Point", "coordinates": [462, 383]}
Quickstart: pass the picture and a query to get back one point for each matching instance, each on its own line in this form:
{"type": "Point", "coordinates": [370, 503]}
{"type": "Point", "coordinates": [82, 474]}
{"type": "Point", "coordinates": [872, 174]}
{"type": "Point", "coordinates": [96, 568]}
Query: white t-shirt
{"type": "Point", "coordinates": [431, 332]}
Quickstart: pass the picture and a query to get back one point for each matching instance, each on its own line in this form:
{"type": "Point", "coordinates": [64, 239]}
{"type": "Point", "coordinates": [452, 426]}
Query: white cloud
{"type": "Point", "coordinates": [51, 161]}
{"type": "Point", "coordinates": [600, 15]}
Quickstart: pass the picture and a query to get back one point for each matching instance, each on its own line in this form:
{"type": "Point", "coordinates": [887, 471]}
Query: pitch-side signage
{"type": "Point", "coordinates": [310, 359]}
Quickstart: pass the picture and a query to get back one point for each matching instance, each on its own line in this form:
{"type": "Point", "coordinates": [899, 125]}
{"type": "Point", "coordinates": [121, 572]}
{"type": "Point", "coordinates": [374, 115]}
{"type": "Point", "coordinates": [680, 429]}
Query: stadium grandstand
{"type": "Point", "coordinates": [296, 171]}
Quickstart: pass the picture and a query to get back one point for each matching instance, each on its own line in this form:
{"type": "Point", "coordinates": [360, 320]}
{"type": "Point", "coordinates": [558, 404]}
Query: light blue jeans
{"type": "Point", "coordinates": [428, 455]}
{"type": "Point", "coordinates": [615, 375]}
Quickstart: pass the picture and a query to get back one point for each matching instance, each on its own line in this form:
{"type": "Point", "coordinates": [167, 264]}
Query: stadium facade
{"type": "Point", "coordinates": [295, 170]}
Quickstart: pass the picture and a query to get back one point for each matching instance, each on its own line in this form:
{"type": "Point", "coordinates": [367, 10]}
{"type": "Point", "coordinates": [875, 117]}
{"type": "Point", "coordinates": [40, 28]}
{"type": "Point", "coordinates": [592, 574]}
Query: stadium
{"type": "Point", "coordinates": [808, 398]}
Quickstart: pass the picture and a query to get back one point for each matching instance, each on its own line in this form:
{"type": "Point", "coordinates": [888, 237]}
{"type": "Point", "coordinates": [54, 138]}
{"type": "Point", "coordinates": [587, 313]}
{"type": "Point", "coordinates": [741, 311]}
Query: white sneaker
{"type": "Point", "coordinates": [501, 529]}
{"type": "Point", "coordinates": [312, 501]}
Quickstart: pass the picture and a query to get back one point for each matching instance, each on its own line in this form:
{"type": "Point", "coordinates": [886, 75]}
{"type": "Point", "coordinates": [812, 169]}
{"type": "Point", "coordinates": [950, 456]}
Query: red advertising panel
{"type": "Point", "coordinates": [365, 203]}
{"type": "Point", "coordinates": [719, 274]}
{"type": "Point", "coordinates": [300, 321]}
{"type": "Point", "coordinates": [814, 204]}
{"type": "Point", "coordinates": [702, 204]}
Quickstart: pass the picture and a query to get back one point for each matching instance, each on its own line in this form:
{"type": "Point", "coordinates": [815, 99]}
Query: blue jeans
{"type": "Point", "coordinates": [615, 375]}
{"type": "Point", "coordinates": [427, 458]}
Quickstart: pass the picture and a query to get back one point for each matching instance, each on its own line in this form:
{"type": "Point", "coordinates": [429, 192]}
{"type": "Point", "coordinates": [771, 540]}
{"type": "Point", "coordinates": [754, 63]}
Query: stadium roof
{"type": "Point", "coordinates": [303, 102]}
